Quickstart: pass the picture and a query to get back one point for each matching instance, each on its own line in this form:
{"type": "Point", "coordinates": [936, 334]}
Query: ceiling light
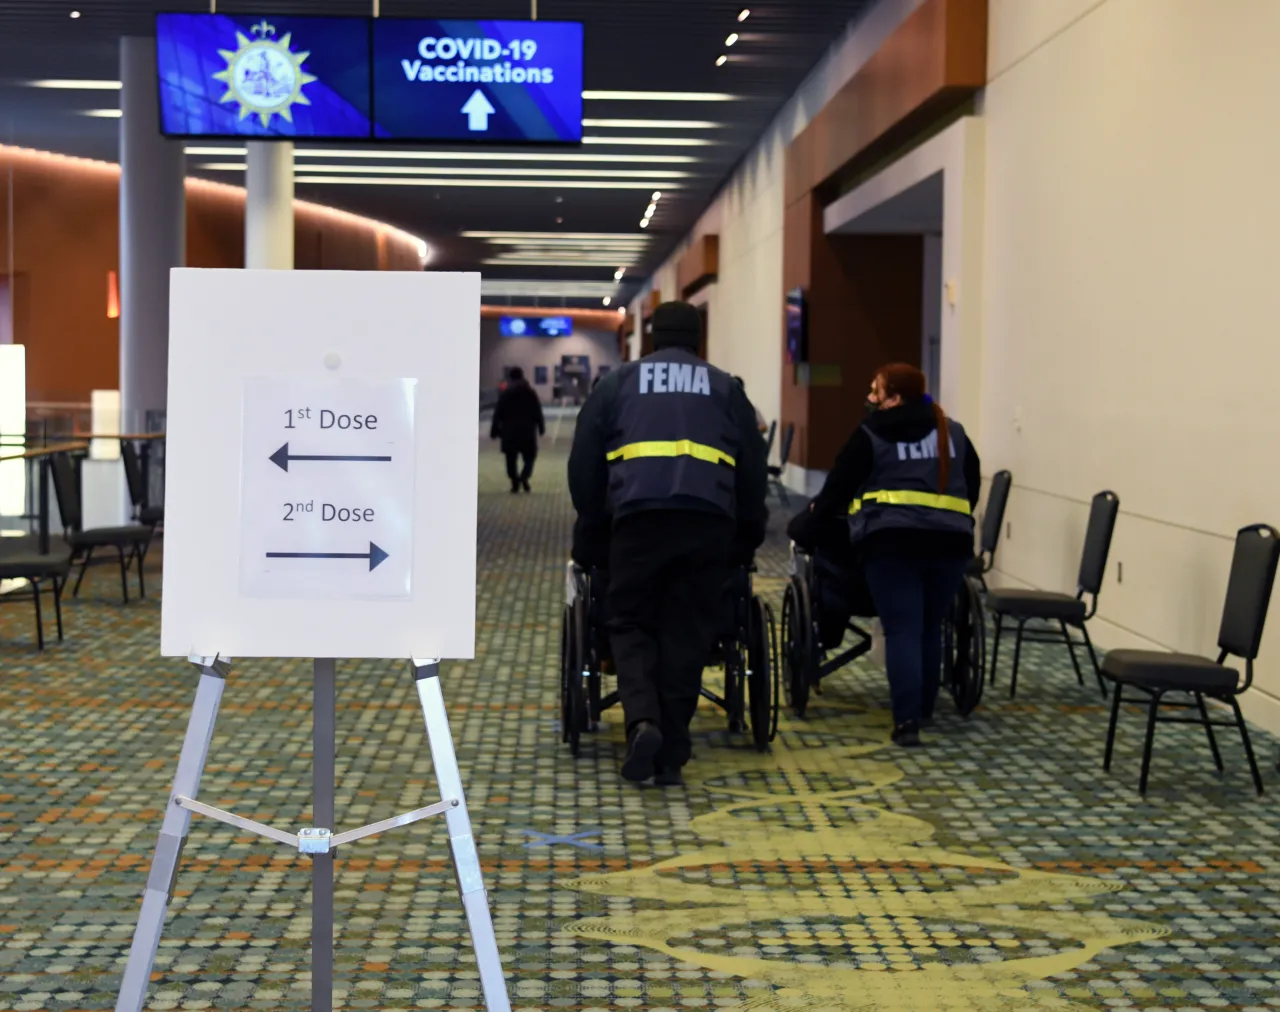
{"type": "Point", "coordinates": [617, 275]}
{"type": "Point", "coordinates": [442, 170]}
{"type": "Point", "coordinates": [622, 310]}
{"type": "Point", "coordinates": [558, 235]}
{"type": "Point", "coordinates": [657, 196]}
{"type": "Point", "coordinates": [540, 184]}
{"type": "Point", "coordinates": [644, 223]}
{"type": "Point", "coordinates": [67, 85]}
{"type": "Point", "coordinates": [732, 39]}
{"type": "Point", "coordinates": [722, 61]}
{"type": "Point", "coordinates": [660, 142]}
{"type": "Point", "coordinates": [606, 300]}
{"type": "Point", "coordinates": [653, 124]}
{"type": "Point", "coordinates": [744, 15]}
{"type": "Point", "coordinates": [658, 96]}
{"type": "Point", "coordinates": [477, 155]}
{"type": "Point", "coordinates": [75, 14]}
{"type": "Point", "coordinates": [542, 262]}
{"type": "Point", "coordinates": [550, 289]}
{"type": "Point", "coordinates": [102, 113]}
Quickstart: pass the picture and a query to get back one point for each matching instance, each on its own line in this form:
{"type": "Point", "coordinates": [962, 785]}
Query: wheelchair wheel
{"type": "Point", "coordinates": [567, 664]}
{"type": "Point", "coordinates": [762, 701]}
{"type": "Point", "coordinates": [735, 687]}
{"type": "Point", "coordinates": [964, 655]}
{"type": "Point", "coordinates": [576, 716]}
{"type": "Point", "coordinates": [798, 645]}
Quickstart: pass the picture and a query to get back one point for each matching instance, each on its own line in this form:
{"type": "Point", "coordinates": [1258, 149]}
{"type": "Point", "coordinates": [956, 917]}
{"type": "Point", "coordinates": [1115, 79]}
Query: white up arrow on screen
{"type": "Point", "coordinates": [478, 110]}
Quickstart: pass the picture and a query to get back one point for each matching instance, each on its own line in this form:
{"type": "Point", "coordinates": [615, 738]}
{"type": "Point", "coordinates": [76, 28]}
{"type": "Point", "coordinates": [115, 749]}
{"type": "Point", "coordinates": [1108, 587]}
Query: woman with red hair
{"type": "Point", "coordinates": [907, 483]}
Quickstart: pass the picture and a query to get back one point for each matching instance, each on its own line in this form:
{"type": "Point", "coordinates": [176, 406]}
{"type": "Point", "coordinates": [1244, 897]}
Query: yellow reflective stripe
{"type": "Point", "coordinates": [673, 448]}
{"type": "Point", "coordinates": [930, 500]}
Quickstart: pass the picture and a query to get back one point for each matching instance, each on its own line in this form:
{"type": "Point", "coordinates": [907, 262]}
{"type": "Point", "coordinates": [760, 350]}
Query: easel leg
{"type": "Point", "coordinates": [324, 745]}
{"type": "Point", "coordinates": [173, 834]}
{"type": "Point", "coordinates": [466, 861]}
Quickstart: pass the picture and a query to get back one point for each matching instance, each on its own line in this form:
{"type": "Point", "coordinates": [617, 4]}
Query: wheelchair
{"type": "Point", "coordinates": [818, 598]}
{"type": "Point", "coordinates": [746, 646]}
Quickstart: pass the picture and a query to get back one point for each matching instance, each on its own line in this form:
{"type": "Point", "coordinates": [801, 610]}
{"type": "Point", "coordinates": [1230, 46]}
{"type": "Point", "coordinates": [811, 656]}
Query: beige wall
{"type": "Point", "coordinates": [1132, 211]}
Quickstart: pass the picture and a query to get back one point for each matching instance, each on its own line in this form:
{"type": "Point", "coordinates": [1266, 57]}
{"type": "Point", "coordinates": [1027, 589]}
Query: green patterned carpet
{"type": "Point", "coordinates": [996, 869]}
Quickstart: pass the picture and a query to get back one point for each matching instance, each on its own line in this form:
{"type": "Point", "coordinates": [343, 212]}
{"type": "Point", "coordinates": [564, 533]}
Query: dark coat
{"type": "Point", "coordinates": [517, 420]}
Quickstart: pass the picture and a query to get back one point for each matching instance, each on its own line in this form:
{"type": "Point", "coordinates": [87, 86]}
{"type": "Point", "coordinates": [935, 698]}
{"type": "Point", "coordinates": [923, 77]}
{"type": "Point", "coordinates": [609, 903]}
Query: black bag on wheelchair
{"type": "Point", "coordinates": [841, 593]}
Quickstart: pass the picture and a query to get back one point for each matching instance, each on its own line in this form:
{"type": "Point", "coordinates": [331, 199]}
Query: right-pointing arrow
{"type": "Point", "coordinates": [478, 110]}
{"type": "Point", "coordinates": [375, 555]}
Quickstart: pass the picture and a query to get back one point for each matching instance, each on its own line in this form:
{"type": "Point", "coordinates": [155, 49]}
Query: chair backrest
{"type": "Point", "coordinates": [1253, 573]}
{"type": "Point", "coordinates": [788, 434]}
{"type": "Point", "coordinates": [132, 472]}
{"type": "Point", "coordinates": [66, 487]}
{"type": "Point", "coordinates": [993, 518]}
{"type": "Point", "coordinates": [768, 442]}
{"type": "Point", "coordinates": [1097, 541]}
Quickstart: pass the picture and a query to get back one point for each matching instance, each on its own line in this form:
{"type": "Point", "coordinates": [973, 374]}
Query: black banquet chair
{"type": "Point", "coordinates": [1065, 611]}
{"type": "Point", "coordinates": [1156, 674]}
{"type": "Point", "coordinates": [784, 455]}
{"type": "Point", "coordinates": [992, 525]}
{"type": "Point", "coordinates": [43, 562]}
{"type": "Point", "coordinates": [135, 476]}
{"type": "Point", "coordinates": [130, 541]}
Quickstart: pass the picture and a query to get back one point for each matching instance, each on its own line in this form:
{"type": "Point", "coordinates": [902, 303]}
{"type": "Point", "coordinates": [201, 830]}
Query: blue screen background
{"type": "Point", "coordinates": [532, 326]}
{"type": "Point", "coordinates": [187, 57]}
{"type": "Point", "coordinates": [415, 110]}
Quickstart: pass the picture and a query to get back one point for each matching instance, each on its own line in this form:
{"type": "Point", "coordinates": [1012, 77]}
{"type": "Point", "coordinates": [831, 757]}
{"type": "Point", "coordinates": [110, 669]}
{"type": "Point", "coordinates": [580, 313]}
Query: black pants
{"type": "Point", "coordinates": [667, 573]}
{"type": "Point", "coordinates": [912, 596]}
{"type": "Point", "coordinates": [530, 454]}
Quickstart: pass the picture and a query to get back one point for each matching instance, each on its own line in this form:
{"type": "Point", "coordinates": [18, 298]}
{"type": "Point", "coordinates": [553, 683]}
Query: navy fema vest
{"type": "Point", "coordinates": [902, 491]}
{"type": "Point", "coordinates": [672, 434]}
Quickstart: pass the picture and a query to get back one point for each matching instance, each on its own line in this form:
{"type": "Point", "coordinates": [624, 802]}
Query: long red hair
{"type": "Point", "coordinates": [909, 383]}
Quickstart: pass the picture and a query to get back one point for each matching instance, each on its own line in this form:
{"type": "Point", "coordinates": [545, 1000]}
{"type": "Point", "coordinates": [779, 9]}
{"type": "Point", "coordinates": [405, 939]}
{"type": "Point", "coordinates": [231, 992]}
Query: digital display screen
{"type": "Point", "coordinates": [241, 75]}
{"type": "Point", "coordinates": [526, 326]}
{"type": "Point", "coordinates": [506, 81]}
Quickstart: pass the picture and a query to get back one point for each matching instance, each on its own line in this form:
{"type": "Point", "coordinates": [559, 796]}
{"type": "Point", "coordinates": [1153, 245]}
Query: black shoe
{"type": "Point", "coordinates": [515, 488]}
{"type": "Point", "coordinates": [927, 721]}
{"type": "Point", "coordinates": [525, 483]}
{"type": "Point", "coordinates": [907, 735]}
{"type": "Point", "coordinates": [643, 744]}
{"type": "Point", "coordinates": [668, 777]}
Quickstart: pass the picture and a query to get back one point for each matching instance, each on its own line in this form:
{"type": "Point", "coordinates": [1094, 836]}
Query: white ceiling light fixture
{"type": "Point", "coordinates": [653, 124]}
{"type": "Point", "coordinates": [102, 113]}
{"type": "Point", "coordinates": [617, 275]}
{"type": "Point", "coordinates": [515, 288]}
{"type": "Point", "coordinates": [644, 223]}
{"type": "Point", "coordinates": [447, 170]}
{"type": "Point", "coordinates": [541, 262]}
{"type": "Point", "coordinates": [732, 40]}
{"type": "Point", "coordinates": [559, 235]}
{"type": "Point", "coordinates": [659, 96]}
{"type": "Point", "coordinates": [606, 300]}
{"type": "Point", "coordinates": [393, 154]}
{"type": "Point", "coordinates": [722, 61]}
{"type": "Point", "coordinates": [60, 84]}
{"type": "Point", "coordinates": [74, 15]}
{"type": "Point", "coordinates": [649, 210]}
{"type": "Point", "coordinates": [514, 184]}
{"type": "Point", "coordinates": [657, 142]}
{"type": "Point", "coordinates": [744, 15]}
{"type": "Point", "coordinates": [657, 196]}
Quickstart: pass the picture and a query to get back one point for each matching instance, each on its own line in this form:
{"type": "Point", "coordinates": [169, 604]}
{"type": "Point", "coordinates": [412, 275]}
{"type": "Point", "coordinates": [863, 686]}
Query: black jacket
{"type": "Point", "coordinates": [517, 420]}
{"type": "Point", "coordinates": [589, 473]}
{"type": "Point", "coordinates": [826, 526]}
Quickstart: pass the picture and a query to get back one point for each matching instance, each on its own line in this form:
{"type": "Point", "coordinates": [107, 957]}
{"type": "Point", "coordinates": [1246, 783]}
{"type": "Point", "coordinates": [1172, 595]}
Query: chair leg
{"type": "Point", "coordinates": [1017, 658]}
{"type": "Point", "coordinates": [1151, 737]}
{"type": "Point", "coordinates": [1248, 746]}
{"type": "Point", "coordinates": [84, 564]}
{"type": "Point", "coordinates": [141, 551]}
{"type": "Point", "coordinates": [58, 586]}
{"type": "Point", "coordinates": [1093, 658]}
{"type": "Point", "coordinates": [124, 573]}
{"type": "Point", "coordinates": [995, 648]}
{"type": "Point", "coordinates": [1208, 729]}
{"type": "Point", "coordinates": [1111, 729]}
{"type": "Point", "coordinates": [35, 596]}
{"type": "Point", "coordinates": [1071, 649]}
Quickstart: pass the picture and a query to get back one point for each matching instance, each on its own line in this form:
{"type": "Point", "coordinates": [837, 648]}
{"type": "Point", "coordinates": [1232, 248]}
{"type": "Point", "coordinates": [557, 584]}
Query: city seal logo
{"type": "Point", "coordinates": [263, 75]}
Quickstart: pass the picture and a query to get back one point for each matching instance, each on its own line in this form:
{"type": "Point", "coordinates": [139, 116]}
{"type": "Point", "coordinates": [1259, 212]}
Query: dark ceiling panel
{"type": "Point", "coordinates": [632, 45]}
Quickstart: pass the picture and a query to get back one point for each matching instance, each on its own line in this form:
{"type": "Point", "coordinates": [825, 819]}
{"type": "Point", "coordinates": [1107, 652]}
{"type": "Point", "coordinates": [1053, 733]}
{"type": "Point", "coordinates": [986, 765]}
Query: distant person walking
{"type": "Point", "coordinates": [518, 422]}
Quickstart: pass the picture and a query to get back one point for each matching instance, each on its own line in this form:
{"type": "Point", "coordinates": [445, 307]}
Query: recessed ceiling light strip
{"type": "Point", "coordinates": [447, 170]}
{"type": "Point", "coordinates": [536, 184]}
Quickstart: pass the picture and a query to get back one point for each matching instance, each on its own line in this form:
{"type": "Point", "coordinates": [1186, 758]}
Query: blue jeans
{"type": "Point", "coordinates": [912, 597]}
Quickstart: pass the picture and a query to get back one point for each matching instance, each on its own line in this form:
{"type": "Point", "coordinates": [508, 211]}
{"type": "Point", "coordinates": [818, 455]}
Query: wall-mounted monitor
{"type": "Point", "coordinates": [536, 326]}
{"type": "Point", "coordinates": [453, 80]}
{"type": "Point", "coordinates": [249, 75]}
{"type": "Point", "coordinates": [797, 311]}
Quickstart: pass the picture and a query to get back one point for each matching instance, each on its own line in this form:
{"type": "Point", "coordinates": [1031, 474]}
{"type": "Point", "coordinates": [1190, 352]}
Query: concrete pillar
{"type": "Point", "coordinates": [152, 234]}
{"type": "Point", "coordinates": [268, 212]}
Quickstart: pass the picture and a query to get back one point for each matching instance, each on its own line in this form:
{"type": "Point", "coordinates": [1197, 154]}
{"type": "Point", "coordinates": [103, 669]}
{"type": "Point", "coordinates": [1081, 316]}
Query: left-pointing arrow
{"type": "Point", "coordinates": [375, 555]}
{"type": "Point", "coordinates": [282, 457]}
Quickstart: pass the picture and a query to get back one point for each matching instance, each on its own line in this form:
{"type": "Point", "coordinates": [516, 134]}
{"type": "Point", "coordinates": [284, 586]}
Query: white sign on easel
{"type": "Point", "coordinates": [313, 418]}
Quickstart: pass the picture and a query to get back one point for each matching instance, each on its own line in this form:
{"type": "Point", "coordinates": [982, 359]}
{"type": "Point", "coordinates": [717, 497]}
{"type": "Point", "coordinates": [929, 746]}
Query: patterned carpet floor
{"type": "Point", "coordinates": [996, 869]}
